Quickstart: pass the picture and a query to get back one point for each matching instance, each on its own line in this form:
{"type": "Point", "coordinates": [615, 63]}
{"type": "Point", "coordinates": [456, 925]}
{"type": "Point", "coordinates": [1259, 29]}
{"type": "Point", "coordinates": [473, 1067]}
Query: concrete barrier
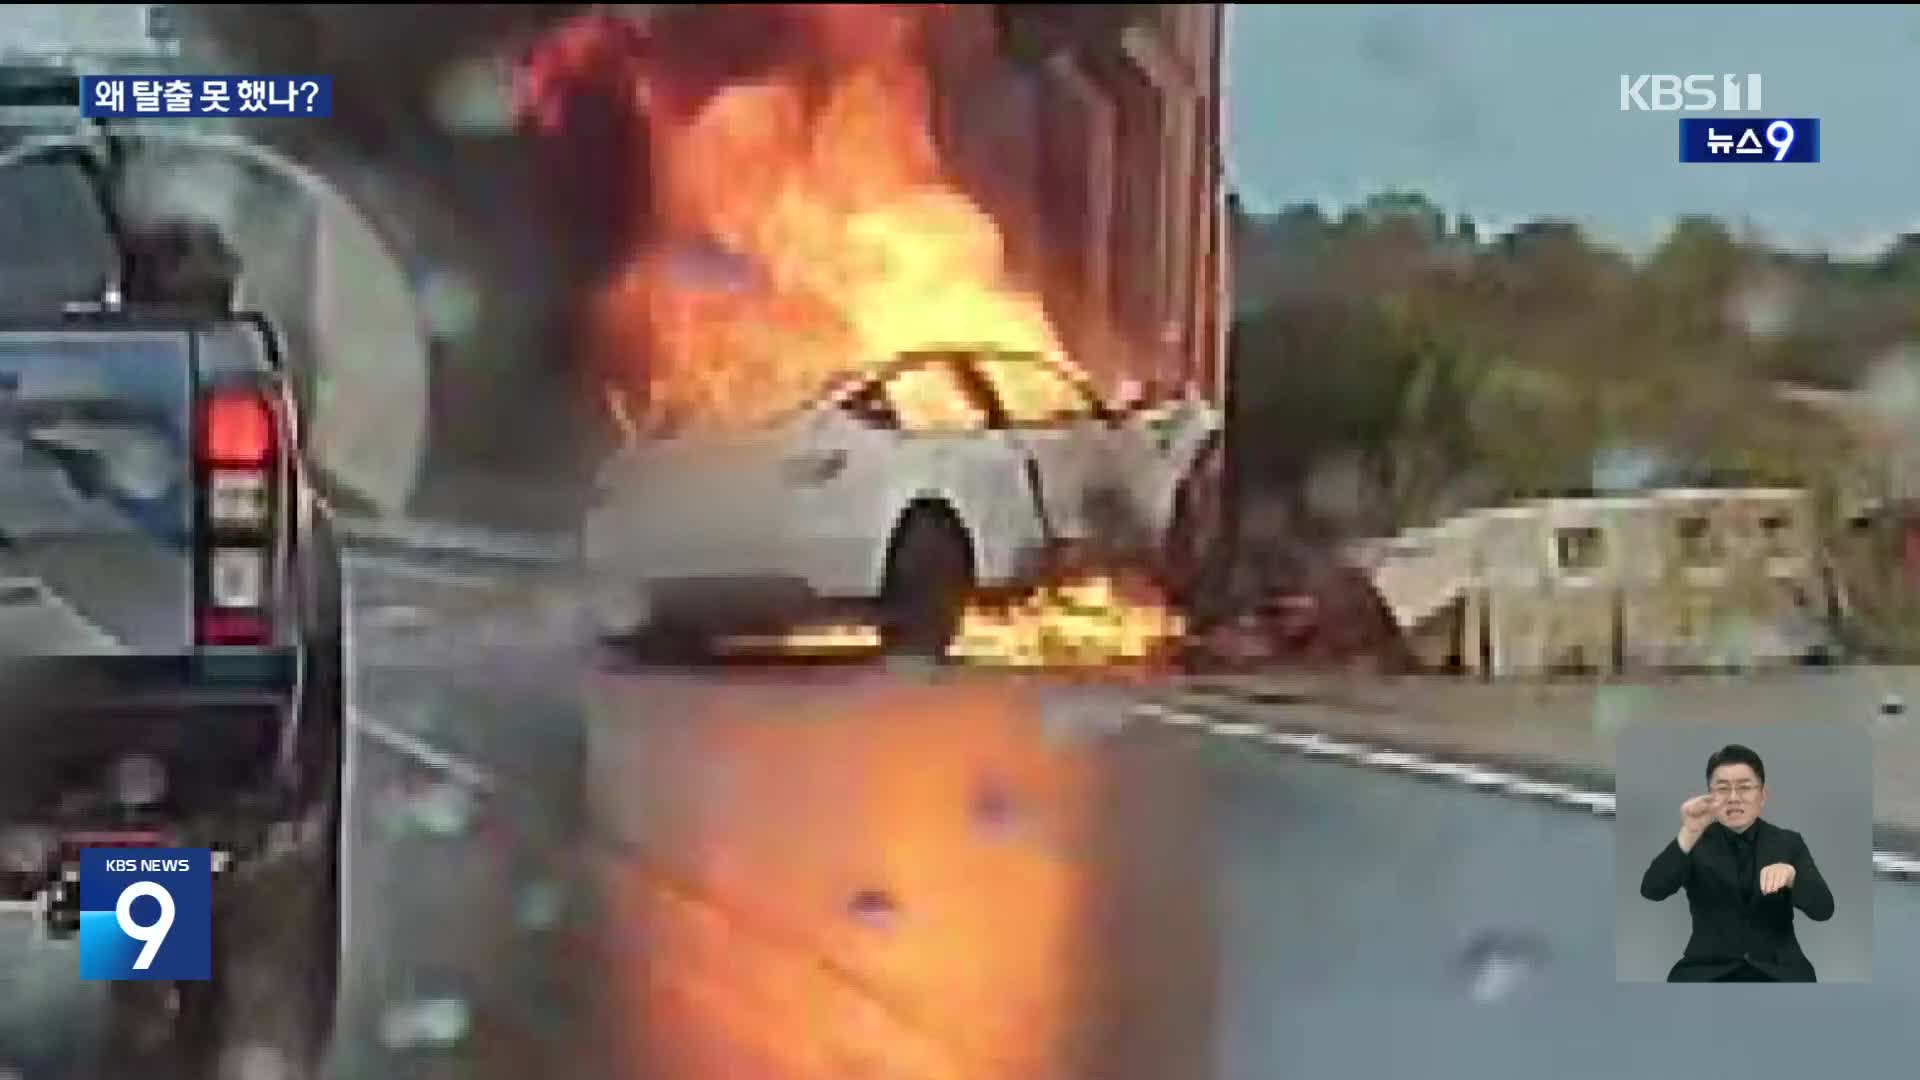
{"type": "Point", "coordinates": [1672, 579]}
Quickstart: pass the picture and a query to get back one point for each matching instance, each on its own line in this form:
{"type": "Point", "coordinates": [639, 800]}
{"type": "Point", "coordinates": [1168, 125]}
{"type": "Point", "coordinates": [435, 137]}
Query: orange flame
{"type": "Point", "coordinates": [804, 226]}
{"type": "Point", "coordinates": [1079, 622]}
{"type": "Point", "coordinates": [1084, 622]}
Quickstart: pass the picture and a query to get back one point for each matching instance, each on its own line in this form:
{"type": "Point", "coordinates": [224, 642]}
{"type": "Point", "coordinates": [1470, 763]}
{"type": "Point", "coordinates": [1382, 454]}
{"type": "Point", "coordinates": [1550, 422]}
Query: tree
{"type": "Point", "coordinates": [1510, 373]}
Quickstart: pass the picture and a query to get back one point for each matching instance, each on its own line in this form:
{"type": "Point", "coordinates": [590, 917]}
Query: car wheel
{"type": "Point", "coordinates": [159, 1029]}
{"type": "Point", "coordinates": [1197, 544]}
{"type": "Point", "coordinates": [318, 858]}
{"type": "Point", "coordinates": [287, 925]}
{"type": "Point", "coordinates": [929, 576]}
{"type": "Point", "coordinates": [276, 969]}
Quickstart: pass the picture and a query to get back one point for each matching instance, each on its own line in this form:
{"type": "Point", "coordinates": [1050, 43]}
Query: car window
{"type": "Point", "coordinates": [1033, 392]}
{"type": "Point", "coordinates": [869, 405]}
{"type": "Point", "coordinates": [932, 398]}
{"type": "Point", "coordinates": [93, 433]}
{"type": "Point", "coordinates": [54, 241]}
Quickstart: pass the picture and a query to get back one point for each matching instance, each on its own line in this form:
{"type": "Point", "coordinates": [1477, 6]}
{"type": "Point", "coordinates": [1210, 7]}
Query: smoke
{"type": "Point", "coordinates": [339, 298]}
{"type": "Point", "coordinates": [1764, 307]}
{"type": "Point", "coordinates": [388, 62]}
{"type": "Point", "coordinates": [1621, 469]}
{"type": "Point", "coordinates": [164, 185]}
{"type": "Point", "coordinates": [1891, 387]}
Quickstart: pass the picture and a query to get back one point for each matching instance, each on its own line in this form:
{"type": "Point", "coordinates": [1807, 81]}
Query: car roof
{"type": "Point", "coordinates": [847, 382]}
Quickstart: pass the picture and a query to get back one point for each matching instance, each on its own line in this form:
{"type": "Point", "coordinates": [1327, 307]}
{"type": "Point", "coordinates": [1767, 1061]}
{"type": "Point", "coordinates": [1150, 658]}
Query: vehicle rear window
{"type": "Point", "coordinates": [96, 424]}
{"type": "Point", "coordinates": [96, 496]}
{"type": "Point", "coordinates": [55, 246]}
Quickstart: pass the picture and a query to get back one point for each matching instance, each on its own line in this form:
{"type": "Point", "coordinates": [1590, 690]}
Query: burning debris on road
{"type": "Point", "coordinates": [1088, 621]}
{"type": "Point", "coordinates": [1270, 612]}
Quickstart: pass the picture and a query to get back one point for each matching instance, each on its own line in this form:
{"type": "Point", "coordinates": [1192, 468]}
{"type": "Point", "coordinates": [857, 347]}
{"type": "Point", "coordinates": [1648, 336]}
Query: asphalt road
{"type": "Point", "coordinates": [559, 867]}
{"type": "Point", "coordinates": [464, 906]}
{"type": "Point", "coordinates": [1379, 925]}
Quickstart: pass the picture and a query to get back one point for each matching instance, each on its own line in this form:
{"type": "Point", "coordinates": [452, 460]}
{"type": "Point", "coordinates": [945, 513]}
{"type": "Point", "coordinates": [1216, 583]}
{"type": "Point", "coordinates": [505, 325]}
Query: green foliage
{"type": "Point", "coordinates": [1462, 372]}
{"type": "Point", "coordinates": [1883, 608]}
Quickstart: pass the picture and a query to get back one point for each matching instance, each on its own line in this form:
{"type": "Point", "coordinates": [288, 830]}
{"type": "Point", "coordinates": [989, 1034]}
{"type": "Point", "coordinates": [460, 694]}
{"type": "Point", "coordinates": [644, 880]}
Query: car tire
{"type": "Point", "coordinates": [928, 579]}
{"type": "Point", "coordinates": [321, 853]}
{"type": "Point", "coordinates": [158, 1029]}
{"type": "Point", "coordinates": [318, 856]}
{"type": "Point", "coordinates": [276, 930]}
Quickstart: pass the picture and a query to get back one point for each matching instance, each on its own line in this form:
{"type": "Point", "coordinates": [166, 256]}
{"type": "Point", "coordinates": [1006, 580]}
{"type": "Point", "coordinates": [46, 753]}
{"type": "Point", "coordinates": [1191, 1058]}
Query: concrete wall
{"type": "Point", "coordinates": [335, 289]}
{"type": "Point", "coordinates": [1097, 149]}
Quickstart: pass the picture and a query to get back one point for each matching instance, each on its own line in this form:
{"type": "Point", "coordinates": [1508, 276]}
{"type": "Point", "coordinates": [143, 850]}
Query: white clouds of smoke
{"type": "Point", "coordinates": [341, 300]}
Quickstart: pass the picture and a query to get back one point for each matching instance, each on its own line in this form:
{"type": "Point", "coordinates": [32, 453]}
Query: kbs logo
{"type": "Point", "coordinates": [146, 913]}
{"type": "Point", "coordinates": [1689, 93]}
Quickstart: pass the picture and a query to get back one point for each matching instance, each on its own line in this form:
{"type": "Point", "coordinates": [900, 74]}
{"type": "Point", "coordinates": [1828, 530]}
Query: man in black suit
{"type": "Point", "coordinates": [1744, 877]}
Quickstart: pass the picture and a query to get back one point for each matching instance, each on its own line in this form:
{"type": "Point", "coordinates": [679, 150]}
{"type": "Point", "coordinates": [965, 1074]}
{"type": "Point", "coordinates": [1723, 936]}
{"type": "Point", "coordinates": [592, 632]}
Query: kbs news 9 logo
{"type": "Point", "coordinates": [146, 913]}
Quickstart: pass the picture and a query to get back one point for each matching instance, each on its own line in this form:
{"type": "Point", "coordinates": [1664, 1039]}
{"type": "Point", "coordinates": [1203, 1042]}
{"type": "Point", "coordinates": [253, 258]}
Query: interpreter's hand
{"type": "Point", "coordinates": [1695, 815]}
{"type": "Point", "coordinates": [1774, 877]}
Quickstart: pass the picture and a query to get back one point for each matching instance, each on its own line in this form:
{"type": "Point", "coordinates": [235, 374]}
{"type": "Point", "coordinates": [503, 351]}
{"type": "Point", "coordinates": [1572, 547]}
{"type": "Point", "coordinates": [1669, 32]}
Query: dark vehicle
{"type": "Point", "coordinates": [171, 653]}
{"type": "Point", "coordinates": [171, 659]}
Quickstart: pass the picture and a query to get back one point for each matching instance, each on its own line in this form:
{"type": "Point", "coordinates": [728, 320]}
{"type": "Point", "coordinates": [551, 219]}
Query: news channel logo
{"type": "Point", "coordinates": [1793, 140]}
{"type": "Point", "coordinates": [1724, 139]}
{"type": "Point", "coordinates": [1690, 93]}
{"type": "Point", "coordinates": [146, 914]}
{"type": "Point", "coordinates": [131, 97]}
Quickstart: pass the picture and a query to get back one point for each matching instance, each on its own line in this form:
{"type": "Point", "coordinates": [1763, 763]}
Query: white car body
{"type": "Point", "coordinates": [811, 503]}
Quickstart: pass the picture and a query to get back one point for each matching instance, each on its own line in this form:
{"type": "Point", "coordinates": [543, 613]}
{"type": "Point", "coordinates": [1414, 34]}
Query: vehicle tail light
{"type": "Point", "coordinates": [237, 498]}
{"type": "Point", "coordinates": [219, 628]}
{"type": "Point", "coordinates": [237, 430]}
{"type": "Point", "coordinates": [239, 472]}
{"type": "Point", "coordinates": [237, 577]}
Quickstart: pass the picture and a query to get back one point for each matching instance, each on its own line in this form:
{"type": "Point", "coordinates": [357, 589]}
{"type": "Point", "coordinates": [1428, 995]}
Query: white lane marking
{"type": "Point", "coordinates": [1452, 769]}
{"type": "Point", "coordinates": [1490, 778]}
{"type": "Point", "coordinates": [1887, 864]}
{"type": "Point", "coordinates": [1541, 789]}
{"type": "Point", "coordinates": [23, 590]}
{"type": "Point", "coordinates": [394, 566]}
{"type": "Point", "coordinates": [1597, 801]}
{"type": "Point", "coordinates": [1175, 718]}
{"type": "Point", "coordinates": [410, 745]}
{"type": "Point", "coordinates": [1290, 739]}
{"type": "Point", "coordinates": [1334, 748]}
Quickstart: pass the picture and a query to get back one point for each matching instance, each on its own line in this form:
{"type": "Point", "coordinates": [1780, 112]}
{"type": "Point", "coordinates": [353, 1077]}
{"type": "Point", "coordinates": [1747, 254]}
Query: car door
{"type": "Point", "coordinates": [1060, 427]}
{"type": "Point", "coordinates": [946, 448]}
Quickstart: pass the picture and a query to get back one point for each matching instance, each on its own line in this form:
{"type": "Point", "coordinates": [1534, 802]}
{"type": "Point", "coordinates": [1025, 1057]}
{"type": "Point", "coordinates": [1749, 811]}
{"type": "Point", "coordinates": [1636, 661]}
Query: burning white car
{"type": "Point", "coordinates": [901, 490]}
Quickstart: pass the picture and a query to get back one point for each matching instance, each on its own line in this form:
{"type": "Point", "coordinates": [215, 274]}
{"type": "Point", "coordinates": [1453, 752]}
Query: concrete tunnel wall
{"type": "Point", "coordinates": [356, 337]}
